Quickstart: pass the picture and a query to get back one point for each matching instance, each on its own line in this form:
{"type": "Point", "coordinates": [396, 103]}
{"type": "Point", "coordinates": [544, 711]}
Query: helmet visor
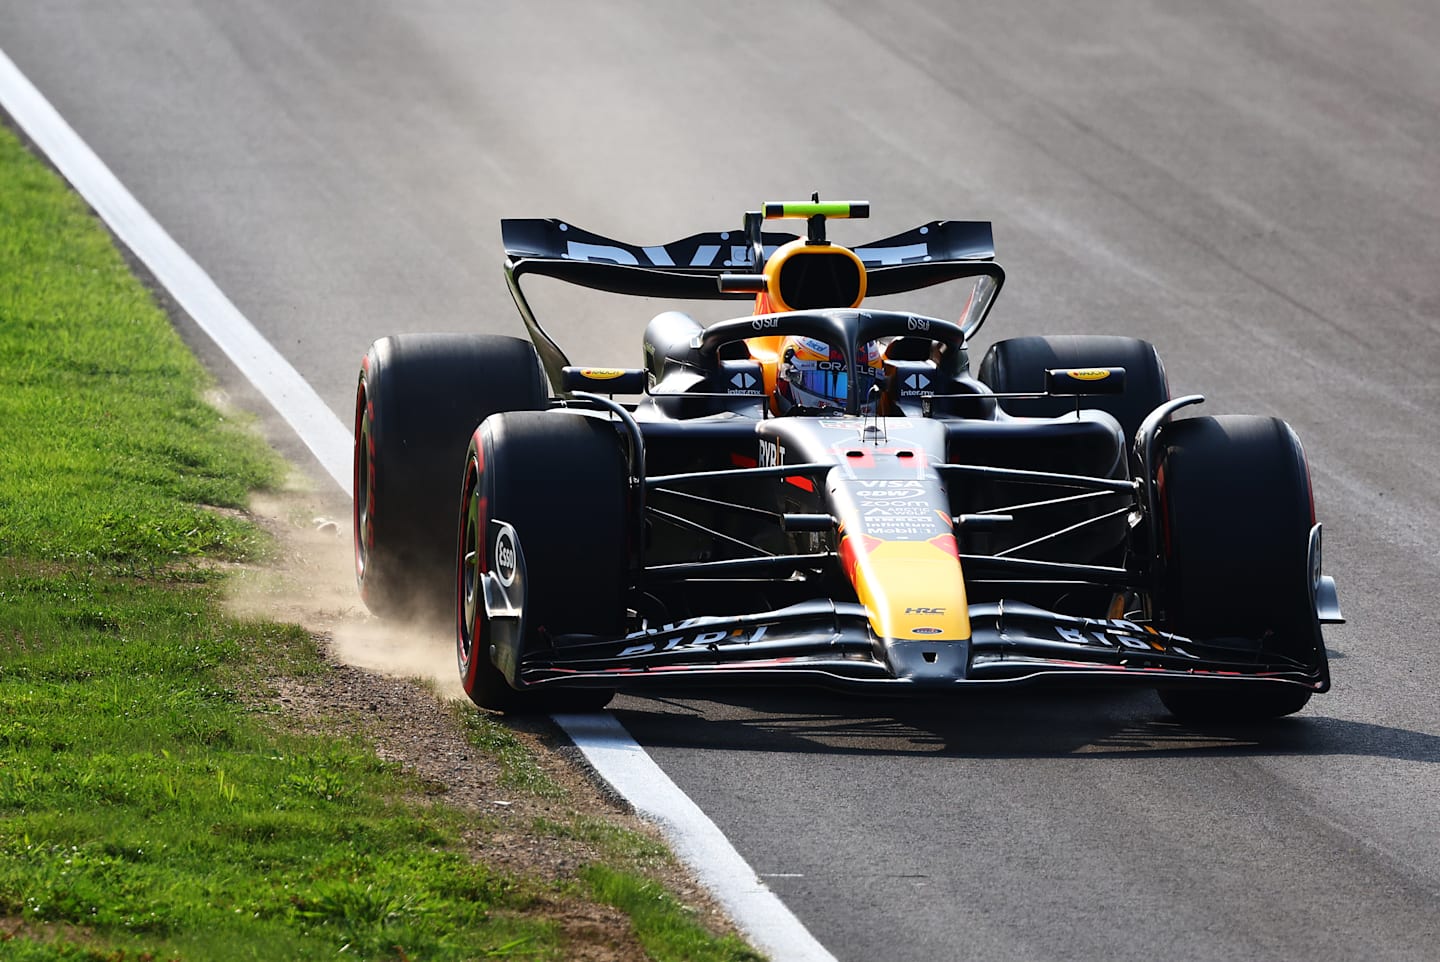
{"type": "Point", "coordinates": [818, 383]}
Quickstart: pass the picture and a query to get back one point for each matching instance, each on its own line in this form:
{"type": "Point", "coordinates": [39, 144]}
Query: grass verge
{"type": "Point", "coordinates": [146, 810]}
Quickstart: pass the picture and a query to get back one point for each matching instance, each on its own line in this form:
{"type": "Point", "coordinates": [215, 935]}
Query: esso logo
{"type": "Point", "coordinates": [917, 324]}
{"type": "Point", "coordinates": [505, 557]}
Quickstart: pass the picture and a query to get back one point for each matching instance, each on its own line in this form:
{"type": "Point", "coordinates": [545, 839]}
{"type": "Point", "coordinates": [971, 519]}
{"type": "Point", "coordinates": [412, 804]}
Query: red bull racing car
{"type": "Point", "coordinates": [823, 492]}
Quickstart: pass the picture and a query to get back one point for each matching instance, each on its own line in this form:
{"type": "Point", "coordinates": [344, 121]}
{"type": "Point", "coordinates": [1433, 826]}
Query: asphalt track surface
{"type": "Point", "coordinates": [1253, 186]}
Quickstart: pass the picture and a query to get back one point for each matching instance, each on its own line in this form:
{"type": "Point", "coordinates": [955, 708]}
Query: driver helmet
{"type": "Point", "coordinates": [812, 374]}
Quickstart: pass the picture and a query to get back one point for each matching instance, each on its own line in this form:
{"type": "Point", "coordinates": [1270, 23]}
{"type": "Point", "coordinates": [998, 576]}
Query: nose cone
{"type": "Point", "coordinates": [929, 663]}
{"type": "Point", "coordinates": [914, 590]}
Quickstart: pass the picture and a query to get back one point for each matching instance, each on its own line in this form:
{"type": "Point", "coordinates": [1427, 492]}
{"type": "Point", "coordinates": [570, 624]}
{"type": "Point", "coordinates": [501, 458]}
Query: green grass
{"type": "Point", "coordinates": [662, 925]}
{"type": "Point", "coordinates": [520, 770]}
{"type": "Point", "coordinates": [101, 398]}
{"type": "Point", "coordinates": [147, 809]}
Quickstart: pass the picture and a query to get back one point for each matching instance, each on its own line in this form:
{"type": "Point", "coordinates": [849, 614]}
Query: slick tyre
{"type": "Point", "coordinates": [1236, 518]}
{"type": "Point", "coordinates": [560, 480]}
{"type": "Point", "coordinates": [419, 399]}
{"type": "Point", "coordinates": [1018, 365]}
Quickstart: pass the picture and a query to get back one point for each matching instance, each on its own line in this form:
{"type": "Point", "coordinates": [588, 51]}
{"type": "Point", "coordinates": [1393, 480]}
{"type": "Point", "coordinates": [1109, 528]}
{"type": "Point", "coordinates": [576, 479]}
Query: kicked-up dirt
{"type": "Point", "coordinates": [396, 686]}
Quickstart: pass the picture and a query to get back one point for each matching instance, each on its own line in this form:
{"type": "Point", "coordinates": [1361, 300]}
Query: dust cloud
{"type": "Point", "coordinates": [311, 582]}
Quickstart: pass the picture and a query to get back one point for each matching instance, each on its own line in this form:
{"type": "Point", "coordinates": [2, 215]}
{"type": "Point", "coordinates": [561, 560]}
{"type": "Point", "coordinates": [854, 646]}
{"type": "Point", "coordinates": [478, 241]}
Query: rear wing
{"type": "Point", "coordinates": [691, 268]}
{"type": "Point", "coordinates": [692, 263]}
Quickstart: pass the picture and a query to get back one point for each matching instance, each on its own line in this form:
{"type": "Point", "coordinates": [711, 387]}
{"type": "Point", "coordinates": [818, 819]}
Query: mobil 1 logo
{"type": "Point", "coordinates": [897, 508]}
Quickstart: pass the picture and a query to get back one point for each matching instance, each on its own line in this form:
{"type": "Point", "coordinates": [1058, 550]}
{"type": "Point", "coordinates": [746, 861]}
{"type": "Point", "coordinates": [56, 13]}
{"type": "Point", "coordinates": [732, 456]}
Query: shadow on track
{"type": "Point", "coordinates": [1034, 724]}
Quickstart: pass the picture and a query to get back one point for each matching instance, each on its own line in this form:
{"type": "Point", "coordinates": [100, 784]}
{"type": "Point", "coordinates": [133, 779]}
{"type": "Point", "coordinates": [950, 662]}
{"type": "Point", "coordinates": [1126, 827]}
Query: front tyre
{"type": "Point", "coordinates": [1237, 512]}
{"type": "Point", "coordinates": [560, 480]}
{"type": "Point", "coordinates": [1233, 705]}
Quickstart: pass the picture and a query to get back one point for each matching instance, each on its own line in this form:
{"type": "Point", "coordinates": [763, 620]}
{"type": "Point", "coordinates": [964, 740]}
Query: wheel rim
{"type": "Point", "coordinates": [471, 571]}
{"type": "Point", "coordinates": [362, 496]}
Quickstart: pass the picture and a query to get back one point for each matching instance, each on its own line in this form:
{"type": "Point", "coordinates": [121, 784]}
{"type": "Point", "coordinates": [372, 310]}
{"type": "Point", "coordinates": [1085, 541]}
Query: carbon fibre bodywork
{"type": "Point", "coordinates": [920, 537]}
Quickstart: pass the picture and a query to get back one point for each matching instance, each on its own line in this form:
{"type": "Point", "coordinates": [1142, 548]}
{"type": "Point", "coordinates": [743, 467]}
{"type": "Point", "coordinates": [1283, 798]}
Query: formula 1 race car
{"type": "Point", "coordinates": [821, 492]}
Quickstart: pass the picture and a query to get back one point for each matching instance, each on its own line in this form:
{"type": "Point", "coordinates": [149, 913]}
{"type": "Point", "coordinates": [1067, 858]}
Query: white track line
{"type": "Point", "coordinates": [191, 287]}
{"type": "Point", "coordinates": [603, 741]}
{"type": "Point", "coordinates": [696, 839]}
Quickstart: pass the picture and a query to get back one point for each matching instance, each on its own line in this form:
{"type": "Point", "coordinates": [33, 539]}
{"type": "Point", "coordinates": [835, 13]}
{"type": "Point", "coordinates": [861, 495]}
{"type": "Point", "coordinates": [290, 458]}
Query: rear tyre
{"type": "Point", "coordinates": [560, 480]}
{"type": "Point", "coordinates": [1237, 513]}
{"type": "Point", "coordinates": [1018, 365]}
{"type": "Point", "coordinates": [418, 401]}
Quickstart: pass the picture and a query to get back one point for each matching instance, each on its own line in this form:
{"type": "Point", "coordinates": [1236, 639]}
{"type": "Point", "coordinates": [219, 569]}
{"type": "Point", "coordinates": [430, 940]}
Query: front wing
{"type": "Point", "coordinates": [831, 645]}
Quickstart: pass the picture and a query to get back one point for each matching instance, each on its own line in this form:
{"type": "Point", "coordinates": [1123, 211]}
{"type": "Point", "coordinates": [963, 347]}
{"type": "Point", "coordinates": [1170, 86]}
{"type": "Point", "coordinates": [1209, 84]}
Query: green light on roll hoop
{"type": "Point", "coordinates": [775, 210]}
